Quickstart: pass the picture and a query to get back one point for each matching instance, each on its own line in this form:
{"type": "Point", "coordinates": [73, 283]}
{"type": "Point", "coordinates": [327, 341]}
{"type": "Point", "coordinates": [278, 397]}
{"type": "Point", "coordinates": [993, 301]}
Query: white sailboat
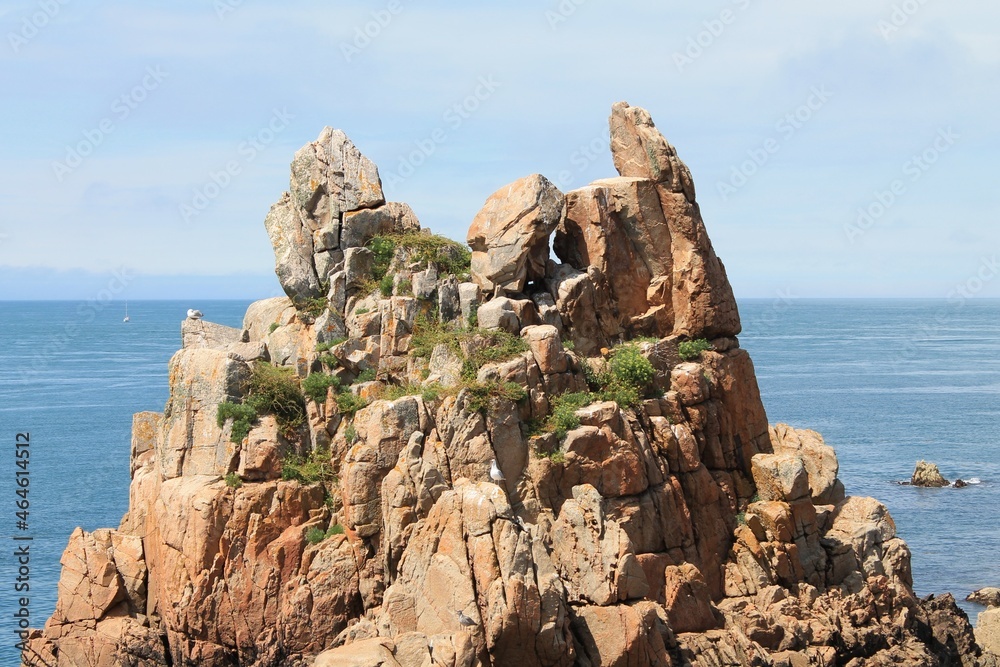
{"type": "Point", "coordinates": [127, 318]}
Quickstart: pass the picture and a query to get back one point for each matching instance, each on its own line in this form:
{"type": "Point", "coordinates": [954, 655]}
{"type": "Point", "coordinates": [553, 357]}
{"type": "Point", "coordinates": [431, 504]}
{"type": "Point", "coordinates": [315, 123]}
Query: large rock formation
{"type": "Point", "coordinates": [340, 508]}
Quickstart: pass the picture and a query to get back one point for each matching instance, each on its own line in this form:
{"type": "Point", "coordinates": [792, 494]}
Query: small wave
{"type": "Point", "coordinates": [973, 481]}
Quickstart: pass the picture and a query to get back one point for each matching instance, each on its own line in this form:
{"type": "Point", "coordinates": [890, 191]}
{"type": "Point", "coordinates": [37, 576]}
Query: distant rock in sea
{"type": "Point", "coordinates": [927, 475]}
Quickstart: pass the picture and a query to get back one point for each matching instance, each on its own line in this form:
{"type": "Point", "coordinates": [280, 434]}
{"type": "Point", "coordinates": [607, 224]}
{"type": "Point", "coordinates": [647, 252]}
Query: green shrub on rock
{"type": "Point", "coordinates": [692, 349]}
{"type": "Point", "coordinates": [317, 385]}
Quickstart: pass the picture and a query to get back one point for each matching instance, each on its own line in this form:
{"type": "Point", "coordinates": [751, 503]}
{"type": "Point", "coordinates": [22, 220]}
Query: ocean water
{"type": "Point", "coordinates": [886, 382]}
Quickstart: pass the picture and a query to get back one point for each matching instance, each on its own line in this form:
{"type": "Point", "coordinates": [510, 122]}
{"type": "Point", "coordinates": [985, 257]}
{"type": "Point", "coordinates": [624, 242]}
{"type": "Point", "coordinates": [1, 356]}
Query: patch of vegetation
{"type": "Point", "coordinates": [308, 470]}
{"type": "Point", "coordinates": [362, 311]}
{"type": "Point", "coordinates": [430, 393]}
{"type": "Point", "coordinates": [473, 316]}
{"type": "Point", "coordinates": [624, 395]}
{"type": "Point", "coordinates": [243, 417]}
{"type": "Point", "coordinates": [351, 434]}
{"type": "Point", "coordinates": [317, 385]}
{"type": "Point", "coordinates": [569, 345]}
{"type": "Point", "coordinates": [449, 257]}
{"type": "Point", "coordinates": [428, 333]}
{"type": "Point", "coordinates": [329, 345]}
{"type": "Point", "coordinates": [273, 328]}
{"type": "Point", "coordinates": [741, 519]}
{"type": "Point", "coordinates": [692, 349]}
{"type": "Point", "coordinates": [348, 403]}
{"type": "Point", "coordinates": [385, 285]}
{"type": "Point", "coordinates": [274, 390]}
{"type": "Point", "coordinates": [490, 346]}
{"type": "Point", "coordinates": [314, 307]}
{"type": "Point", "coordinates": [481, 395]}
{"type": "Point", "coordinates": [316, 535]}
{"type": "Point", "coordinates": [367, 375]}
{"type": "Point", "coordinates": [233, 481]}
{"type": "Point", "coordinates": [628, 379]}
{"type": "Point", "coordinates": [405, 287]}
{"type": "Point", "coordinates": [329, 360]}
{"type": "Point", "coordinates": [563, 418]}
{"type": "Point", "coordinates": [630, 368]}
{"type": "Point", "coordinates": [500, 346]}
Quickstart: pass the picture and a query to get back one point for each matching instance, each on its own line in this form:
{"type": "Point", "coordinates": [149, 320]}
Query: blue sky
{"type": "Point", "coordinates": [793, 117]}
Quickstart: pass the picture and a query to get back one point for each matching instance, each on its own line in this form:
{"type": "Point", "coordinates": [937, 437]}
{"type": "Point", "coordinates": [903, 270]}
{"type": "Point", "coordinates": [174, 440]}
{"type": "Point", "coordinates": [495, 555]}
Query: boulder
{"type": "Point", "coordinates": [927, 475]}
{"type": "Point", "coordinates": [988, 631]}
{"type": "Point", "coordinates": [617, 226]}
{"type": "Point", "coordinates": [819, 459]}
{"type": "Point", "coordinates": [361, 226]}
{"type": "Point", "coordinates": [988, 597]}
{"type": "Point", "coordinates": [199, 333]}
{"type": "Point", "coordinates": [329, 178]}
{"type": "Point", "coordinates": [509, 237]}
{"type": "Point", "coordinates": [781, 477]}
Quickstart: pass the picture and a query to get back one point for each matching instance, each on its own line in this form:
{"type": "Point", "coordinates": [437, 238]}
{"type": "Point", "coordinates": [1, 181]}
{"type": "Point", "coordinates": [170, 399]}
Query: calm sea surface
{"type": "Point", "coordinates": [886, 382]}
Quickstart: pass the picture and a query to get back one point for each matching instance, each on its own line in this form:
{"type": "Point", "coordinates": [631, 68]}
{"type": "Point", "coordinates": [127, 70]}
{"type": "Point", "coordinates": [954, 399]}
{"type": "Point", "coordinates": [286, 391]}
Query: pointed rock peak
{"type": "Point", "coordinates": [334, 202]}
{"type": "Point", "coordinates": [639, 150]}
{"type": "Point", "coordinates": [509, 237]}
{"type": "Point", "coordinates": [332, 166]}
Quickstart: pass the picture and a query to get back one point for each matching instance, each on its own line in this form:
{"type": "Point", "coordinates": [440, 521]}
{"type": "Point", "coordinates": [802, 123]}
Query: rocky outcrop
{"type": "Point", "coordinates": [927, 475]}
{"type": "Point", "coordinates": [482, 463]}
{"type": "Point", "coordinates": [509, 237]}
{"type": "Point", "coordinates": [988, 597]}
{"type": "Point", "coordinates": [988, 631]}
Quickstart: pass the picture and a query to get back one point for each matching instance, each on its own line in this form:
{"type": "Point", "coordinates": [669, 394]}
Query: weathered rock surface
{"type": "Point", "coordinates": [509, 237]}
{"type": "Point", "coordinates": [988, 597]}
{"type": "Point", "coordinates": [988, 631]}
{"type": "Point", "coordinates": [678, 531]}
{"type": "Point", "coordinates": [927, 475]}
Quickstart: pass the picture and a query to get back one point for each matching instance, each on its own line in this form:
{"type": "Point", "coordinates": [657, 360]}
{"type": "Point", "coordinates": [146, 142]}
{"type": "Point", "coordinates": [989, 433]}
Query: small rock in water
{"type": "Point", "coordinates": [988, 597]}
{"type": "Point", "coordinates": [960, 484]}
{"type": "Point", "coordinates": [928, 475]}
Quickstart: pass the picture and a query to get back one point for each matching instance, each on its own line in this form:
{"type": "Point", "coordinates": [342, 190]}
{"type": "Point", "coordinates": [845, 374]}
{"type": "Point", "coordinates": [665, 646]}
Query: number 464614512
{"type": "Point", "coordinates": [22, 457]}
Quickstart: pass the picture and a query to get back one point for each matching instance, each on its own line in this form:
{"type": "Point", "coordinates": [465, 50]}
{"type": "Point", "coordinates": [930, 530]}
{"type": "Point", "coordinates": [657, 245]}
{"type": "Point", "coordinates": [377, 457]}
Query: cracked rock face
{"type": "Point", "coordinates": [677, 530]}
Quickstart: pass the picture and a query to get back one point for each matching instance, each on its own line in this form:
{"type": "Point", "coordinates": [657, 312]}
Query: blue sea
{"type": "Point", "coordinates": [886, 382]}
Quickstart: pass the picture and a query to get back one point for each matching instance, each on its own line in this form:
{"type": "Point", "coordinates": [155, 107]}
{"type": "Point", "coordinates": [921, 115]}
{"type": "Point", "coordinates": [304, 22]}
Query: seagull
{"type": "Point", "coordinates": [495, 473]}
{"type": "Point", "coordinates": [465, 620]}
{"type": "Point", "coordinates": [195, 314]}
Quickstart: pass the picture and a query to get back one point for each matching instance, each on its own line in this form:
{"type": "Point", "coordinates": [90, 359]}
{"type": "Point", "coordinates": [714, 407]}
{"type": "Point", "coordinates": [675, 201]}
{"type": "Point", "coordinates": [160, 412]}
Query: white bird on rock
{"type": "Point", "coordinates": [495, 473]}
{"type": "Point", "coordinates": [195, 314]}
